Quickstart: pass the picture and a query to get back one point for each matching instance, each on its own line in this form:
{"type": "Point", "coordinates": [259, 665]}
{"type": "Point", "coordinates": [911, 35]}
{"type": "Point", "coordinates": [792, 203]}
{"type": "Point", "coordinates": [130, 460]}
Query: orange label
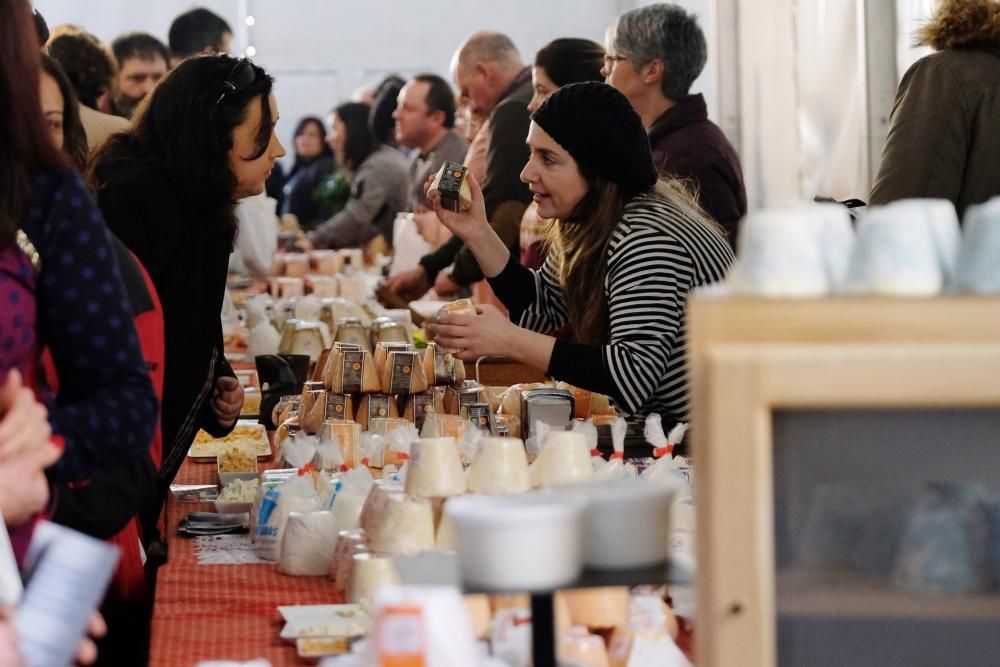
{"type": "Point", "coordinates": [400, 637]}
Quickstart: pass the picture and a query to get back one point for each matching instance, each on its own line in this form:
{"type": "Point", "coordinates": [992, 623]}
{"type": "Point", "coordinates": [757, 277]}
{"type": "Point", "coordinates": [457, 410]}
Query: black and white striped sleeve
{"type": "Point", "coordinates": [534, 299]}
{"type": "Point", "coordinates": [649, 277]}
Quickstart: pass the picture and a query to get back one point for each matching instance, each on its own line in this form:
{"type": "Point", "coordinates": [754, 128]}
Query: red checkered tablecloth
{"type": "Point", "coordinates": [206, 612]}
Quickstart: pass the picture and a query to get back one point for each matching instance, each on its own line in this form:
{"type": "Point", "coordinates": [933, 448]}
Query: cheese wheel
{"type": "Point", "coordinates": [451, 177]}
{"type": "Point", "coordinates": [598, 607]}
{"type": "Point", "coordinates": [348, 434]}
{"type": "Point", "coordinates": [373, 406]}
{"type": "Point", "coordinates": [442, 367]}
{"type": "Point", "coordinates": [478, 607]}
{"type": "Point", "coordinates": [403, 374]}
{"type": "Point", "coordinates": [351, 372]}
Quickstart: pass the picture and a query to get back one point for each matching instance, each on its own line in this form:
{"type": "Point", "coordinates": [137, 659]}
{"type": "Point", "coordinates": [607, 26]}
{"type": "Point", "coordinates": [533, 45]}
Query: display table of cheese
{"type": "Point", "coordinates": [222, 611]}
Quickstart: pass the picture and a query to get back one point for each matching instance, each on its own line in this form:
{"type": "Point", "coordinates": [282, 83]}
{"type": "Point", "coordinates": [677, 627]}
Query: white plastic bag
{"type": "Point", "coordinates": [298, 494]}
{"type": "Point", "coordinates": [354, 487]}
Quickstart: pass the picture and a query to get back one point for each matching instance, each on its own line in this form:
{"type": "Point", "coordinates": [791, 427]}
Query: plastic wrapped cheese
{"type": "Point", "coordinates": [373, 406]}
{"type": "Point", "coordinates": [382, 351]}
{"type": "Point", "coordinates": [350, 372]}
{"type": "Point", "coordinates": [442, 367]}
{"type": "Point", "coordinates": [451, 188]}
{"type": "Point", "coordinates": [419, 406]}
{"type": "Point", "coordinates": [404, 527]}
{"type": "Point", "coordinates": [403, 374]}
{"type": "Point", "coordinates": [355, 485]}
{"type": "Point", "coordinates": [295, 495]}
{"type": "Point", "coordinates": [348, 434]}
{"type": "Point", "coordinates": [435, 469]}
{"type": "Point", "coordinates": [307, 544]}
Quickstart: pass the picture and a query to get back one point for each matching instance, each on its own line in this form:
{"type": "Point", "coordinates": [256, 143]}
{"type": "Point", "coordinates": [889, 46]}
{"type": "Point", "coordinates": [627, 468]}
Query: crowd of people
{"type": "Point", "coordinates": [134, 177]}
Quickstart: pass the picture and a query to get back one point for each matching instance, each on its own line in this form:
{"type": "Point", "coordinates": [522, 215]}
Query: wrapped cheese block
{"type": "Point", "coordinates": [320, 367]}
{"type": "Point", "coordinates": [510, 400]}
{"type": "Point", "coordinates": [587, 404]}
{"type": "Point", "coordinates": [459, 307]}
{"type": "Point", "coordinates": [451, 188]}
{"type": "Point", "coordinates": [403, 374]}
{"type": "Point", "coordinates": [376, 501]}
{"type": "Point", "coordinates": [348, 434]}
{"type": "Point", "coordinates": [285, 287]}
{"type": "Point", "coordinates": [373, 406]}
{"type": "Point", "coordinates": [293, 265]}
{"type": "Point", "coordinates": [307, 544]}
{"type": "Point", "coordinates": [581, 648]}
{"type": "Point", "coordinates": [326, 405]}
{"type": "Point", "coordinates": [387, 330]}
{"type": "Point", "coordinates": [601, 608]}
{"type": "Point", "coordinates": [323, 286]}
{"type": "Point", "coordinates": [418, 406]}
{"type": "Point", "coordinates": [382, 351]}
{"type": "Point", "coordinates": [464, 393]}
{"type": "Point", "coordinates": [435, 469]}
{"type": "Point", "coordinates": [386, 425]}
{"type": "Point", "coordinates": [309, 395]}
{"type": "Point", "coordinates": [351, 331]}
{"type": "Point", "coordinates": [351, 372]}
{"type": "Point", "coordinates": [444, 537]}
{"type": "Point", "coordinates": [325, 262]}
{"type": "Point", "coordinates": [564, 459]}
{"type": "Point", "coordinates": [312, 412]}
{"type": "Point", "coordinates": [438, 426]}
{"type": "Point", "coordinates": [479, 611]}
{"type": "Point", "coordinates": [500, 468]}
{"type": "Point", "coordinates": [369, 573]}
{"type": "Point", "coordinates": [287, 335]}
{"type": "Point", "coordinates": [343, 548]}
{"type": "Point", "coordinates": [442, 367]}
{"type": "Point", "coordinates": [345, 567]}
{"type": "Point", "coordinates": [404, 527]}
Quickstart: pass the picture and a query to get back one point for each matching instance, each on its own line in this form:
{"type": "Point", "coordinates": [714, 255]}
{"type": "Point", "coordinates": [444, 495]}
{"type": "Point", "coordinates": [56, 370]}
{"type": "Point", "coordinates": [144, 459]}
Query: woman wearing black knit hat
{"type": "Point", "coordinates": [625, 252]}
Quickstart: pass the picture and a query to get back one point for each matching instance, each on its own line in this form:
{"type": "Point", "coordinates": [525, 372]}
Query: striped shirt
{"type": "Point", "coordinates": [656, 255]}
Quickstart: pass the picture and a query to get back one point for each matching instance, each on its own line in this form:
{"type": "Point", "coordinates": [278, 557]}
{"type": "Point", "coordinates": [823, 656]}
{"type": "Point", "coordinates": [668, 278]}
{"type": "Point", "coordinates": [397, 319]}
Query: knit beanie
{"type": "Point", "coordinates": [597, 126]}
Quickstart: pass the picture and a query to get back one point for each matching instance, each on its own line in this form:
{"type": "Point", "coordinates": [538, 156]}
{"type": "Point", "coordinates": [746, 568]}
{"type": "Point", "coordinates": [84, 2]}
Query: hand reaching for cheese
{"type": "Point", "coordinates": [487, 334]}
{"type": "Point", "coordinates": [467, 224]}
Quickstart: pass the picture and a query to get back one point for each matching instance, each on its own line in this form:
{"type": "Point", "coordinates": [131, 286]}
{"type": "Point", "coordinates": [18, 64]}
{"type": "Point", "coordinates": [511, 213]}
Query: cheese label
{"type": "Point", "coordinates": [400, 637]}
{"type": "Point", "coordinates": [423, 405]}
{"type": "Point", "coordinates": [402, 372]}
{"type": "Point", "coordinates": [336, 406]}
{"type": "Point", "coordinates": [354, 371]}
{"type": "Point", "coordinates": [478, 414]}
{"type": "Point", "coordinates": [444, 366]}
{"type": "Point", "coordinates": [378, 406]}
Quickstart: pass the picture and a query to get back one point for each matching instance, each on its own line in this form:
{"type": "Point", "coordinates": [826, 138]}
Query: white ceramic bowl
{"type": "Point", "coordinates": [626, 523]}
{"type": "Point", "coordinates": [530, 542]}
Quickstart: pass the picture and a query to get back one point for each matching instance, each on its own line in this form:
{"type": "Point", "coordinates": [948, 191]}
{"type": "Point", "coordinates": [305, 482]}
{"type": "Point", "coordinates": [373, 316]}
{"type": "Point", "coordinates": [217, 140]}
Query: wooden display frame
{"type": "Point", "coordinates": [751, 357]}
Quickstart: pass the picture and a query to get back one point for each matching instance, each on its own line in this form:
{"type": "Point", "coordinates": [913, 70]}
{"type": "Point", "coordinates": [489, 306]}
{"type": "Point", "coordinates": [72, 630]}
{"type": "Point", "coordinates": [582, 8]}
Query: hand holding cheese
{"type": "Point", "coordinates": [469, 220]}
{"type": "Point", "coordinates": [450, 187]}
{"type": "Point", "coordinates": [487, 334]}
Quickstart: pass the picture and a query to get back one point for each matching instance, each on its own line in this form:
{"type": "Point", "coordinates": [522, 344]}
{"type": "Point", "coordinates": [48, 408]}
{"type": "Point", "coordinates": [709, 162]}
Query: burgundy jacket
{"type": "Point", "coordinates": [688, 146]}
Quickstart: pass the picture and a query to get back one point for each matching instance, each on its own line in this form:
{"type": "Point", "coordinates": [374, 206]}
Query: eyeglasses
{"type": "Point", "coordinates": [610, 60]}
{"type": "Point", "coordinates": [241, 76]}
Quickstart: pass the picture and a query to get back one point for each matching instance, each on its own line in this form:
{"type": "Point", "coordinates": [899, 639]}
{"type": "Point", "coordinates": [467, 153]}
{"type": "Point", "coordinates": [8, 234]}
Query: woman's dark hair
{"type": "Point", "coordinates": [325, 151]}
{"type": "Point", "coordinates": [571, 60]}
{"type": "Point", "coordinates": [74, 136]}
{"type": "Point", "coordinates": [186, 130]}
{"type": "Point", "coordinates": [87, 63]}
{"type": "Point", "coordinates": [359, 142]}
{"type": "Point", "coordinates": [381, 122]}
{"type": "Point", "coordinates": [24, 134]}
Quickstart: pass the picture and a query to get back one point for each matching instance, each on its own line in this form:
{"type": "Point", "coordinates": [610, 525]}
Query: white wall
{"type": "Point", "coordinates": [319, 51]}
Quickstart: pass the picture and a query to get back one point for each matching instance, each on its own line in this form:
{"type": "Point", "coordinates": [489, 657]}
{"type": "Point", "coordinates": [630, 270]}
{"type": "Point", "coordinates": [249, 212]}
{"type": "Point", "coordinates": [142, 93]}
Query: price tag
{"type": "Point", "coordinates": [400, 638]}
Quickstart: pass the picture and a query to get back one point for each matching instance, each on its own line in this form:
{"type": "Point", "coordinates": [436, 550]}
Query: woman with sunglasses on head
{"type": "Point", "coordinates": [203, 139]}
{"type": "Point", "coordinates": [625, 252]}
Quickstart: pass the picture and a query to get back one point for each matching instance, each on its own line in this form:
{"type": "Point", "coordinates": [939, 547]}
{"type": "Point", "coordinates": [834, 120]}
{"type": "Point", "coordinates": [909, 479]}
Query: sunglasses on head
{"type": "Point", "coordinates": [241, 76]}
